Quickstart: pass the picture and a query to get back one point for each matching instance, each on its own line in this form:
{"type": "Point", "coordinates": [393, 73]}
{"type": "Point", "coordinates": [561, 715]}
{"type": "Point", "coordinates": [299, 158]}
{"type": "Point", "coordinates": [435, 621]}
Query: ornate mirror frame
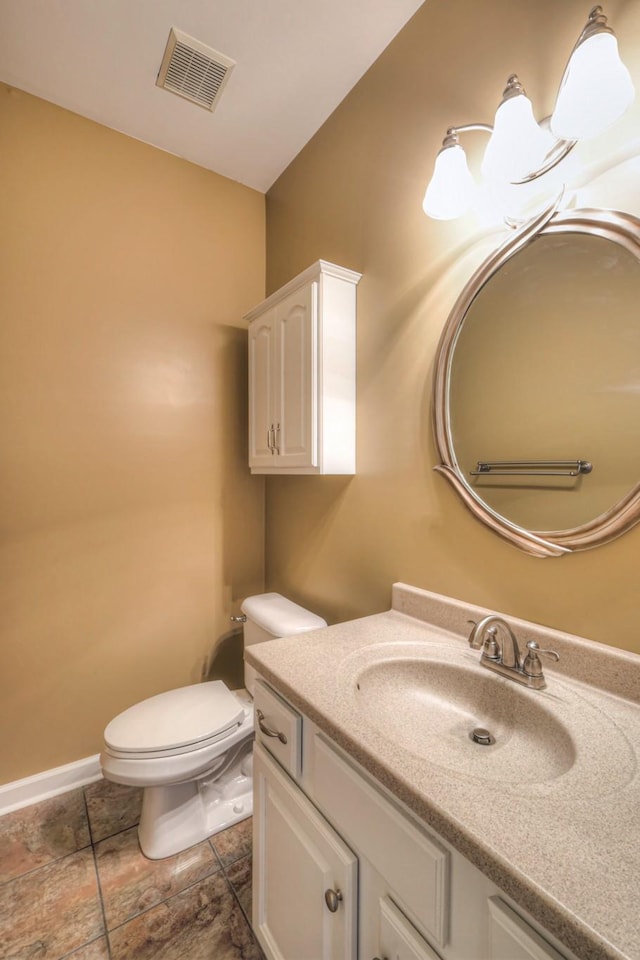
{"type": "Point", "coordinates": [622, 229]}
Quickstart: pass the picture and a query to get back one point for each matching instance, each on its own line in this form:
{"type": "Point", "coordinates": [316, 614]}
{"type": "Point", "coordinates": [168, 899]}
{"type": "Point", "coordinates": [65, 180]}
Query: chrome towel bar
{"type": "Point", "coordinates": [531, 468]}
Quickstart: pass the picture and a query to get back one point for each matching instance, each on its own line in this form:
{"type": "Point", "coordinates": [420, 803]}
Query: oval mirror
{"type": "Point", "coordinates": [537, 385]}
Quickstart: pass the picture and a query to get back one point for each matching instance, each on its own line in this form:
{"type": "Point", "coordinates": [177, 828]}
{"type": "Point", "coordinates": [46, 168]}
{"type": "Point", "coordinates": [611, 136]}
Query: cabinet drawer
{"type": "Point", "coordinates": [278, 728]}
{"type": "Point", "coordinates": [414, 865]}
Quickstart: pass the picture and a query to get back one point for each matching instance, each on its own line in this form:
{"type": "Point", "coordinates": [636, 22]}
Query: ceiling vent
{"type": "Point", "coordinates": [193, 71]}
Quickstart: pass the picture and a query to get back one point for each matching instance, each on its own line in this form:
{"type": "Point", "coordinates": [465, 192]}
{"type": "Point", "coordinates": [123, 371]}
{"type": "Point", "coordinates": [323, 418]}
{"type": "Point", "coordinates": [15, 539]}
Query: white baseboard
{"type": "Point", "coordinates": [50, 783]}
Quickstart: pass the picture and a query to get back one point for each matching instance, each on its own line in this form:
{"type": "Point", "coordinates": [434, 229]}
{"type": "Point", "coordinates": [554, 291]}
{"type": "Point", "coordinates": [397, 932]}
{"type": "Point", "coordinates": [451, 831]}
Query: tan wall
{"type": "Point", "coordinates": [354, 196]}
{"type": "Point", "coordinates": [130, 523]}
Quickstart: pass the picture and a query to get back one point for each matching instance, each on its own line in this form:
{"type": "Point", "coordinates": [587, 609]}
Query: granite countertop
{"type": "Point", "coordinates": [565, 847]}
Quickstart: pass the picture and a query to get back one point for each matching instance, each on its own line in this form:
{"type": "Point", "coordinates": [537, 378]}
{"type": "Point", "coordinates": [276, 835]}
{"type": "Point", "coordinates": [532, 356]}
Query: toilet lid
{"type": "Point", "coordinates": [175, 719]}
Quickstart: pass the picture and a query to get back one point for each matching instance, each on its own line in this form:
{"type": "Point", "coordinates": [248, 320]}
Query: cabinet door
{"type": "Point", "coordinates": [399, 939]}
{"type": "Point", "coordinates": [296, 400]}
{"type": "Point", "coordinates": [298, 857]}
{"type": "Point", "coordinates": [511, 938]}
{"type": "Point", "coordinates": [262, 385]}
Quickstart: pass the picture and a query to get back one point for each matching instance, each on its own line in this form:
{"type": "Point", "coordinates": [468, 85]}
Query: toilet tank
{"type": "Point", "coordinates": [270, 615]}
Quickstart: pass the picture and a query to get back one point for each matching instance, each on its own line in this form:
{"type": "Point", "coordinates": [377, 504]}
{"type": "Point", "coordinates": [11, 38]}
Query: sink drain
{"type": "Point", "coordinates": [482, 736]}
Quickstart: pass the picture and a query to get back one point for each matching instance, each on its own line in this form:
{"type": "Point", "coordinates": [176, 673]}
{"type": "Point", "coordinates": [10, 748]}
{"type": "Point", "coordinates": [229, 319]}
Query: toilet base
{"type": "Point", "coordinates": [179, 815]}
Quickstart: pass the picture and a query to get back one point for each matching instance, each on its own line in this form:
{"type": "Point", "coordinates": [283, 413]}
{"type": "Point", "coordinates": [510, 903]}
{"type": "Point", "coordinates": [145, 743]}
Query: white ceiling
{"type": "Point", "coordinates": [296, 60]}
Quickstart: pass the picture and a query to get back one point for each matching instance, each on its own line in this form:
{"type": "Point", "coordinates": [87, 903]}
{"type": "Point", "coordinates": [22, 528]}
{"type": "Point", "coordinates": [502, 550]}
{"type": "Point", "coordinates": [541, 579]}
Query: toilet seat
{"type": "Point", "coordinates": [200, 760]}
{"type": "Point", "coordinates": [176, 722]}
{"type": "Point", "coordinates": [176, 736]}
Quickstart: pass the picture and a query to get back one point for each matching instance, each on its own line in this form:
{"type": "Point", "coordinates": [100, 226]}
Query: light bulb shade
{"type": "Point", "coordinates": [518, 145]}
{"type": "Point", "coordinates": [451, 189]}
{"type": "Point", "coordinates": [595, 91]}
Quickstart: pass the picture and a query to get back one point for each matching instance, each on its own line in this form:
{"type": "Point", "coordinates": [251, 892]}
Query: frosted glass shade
{"type": "Point", "coordinates": [595, 91]}
{"type": "Point", "coordinates": [451, 189]}
{"type": "Point", "coordinates": [518, 145]}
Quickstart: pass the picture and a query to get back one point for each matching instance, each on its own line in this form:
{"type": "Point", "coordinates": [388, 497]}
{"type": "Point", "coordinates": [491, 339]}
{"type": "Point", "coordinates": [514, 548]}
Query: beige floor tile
{"type": "Point", "coordinates": [131, 883]}
{"type": "Point", "coordinates": [41, 833]}
{"type": "Point", "coordinates": [234, 842]}
{"type": "Point", "coordinates": [52, 911]}
{"type": "Point", "coordinates": [112, 807]}
{"type": "Point", "coordinates": [201, 923]}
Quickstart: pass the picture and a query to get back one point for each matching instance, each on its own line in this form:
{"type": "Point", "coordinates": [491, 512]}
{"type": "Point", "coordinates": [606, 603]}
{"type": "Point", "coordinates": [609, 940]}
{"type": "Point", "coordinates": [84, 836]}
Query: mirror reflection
{"type": "Point", "coordinates": [546, 366]}
{"type": "Point", "coordinates": [537, 384]}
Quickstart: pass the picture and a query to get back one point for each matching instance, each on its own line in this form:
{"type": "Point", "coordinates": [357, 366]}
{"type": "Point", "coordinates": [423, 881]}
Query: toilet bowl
{"type": "Point", "coordinates": [191, 748]}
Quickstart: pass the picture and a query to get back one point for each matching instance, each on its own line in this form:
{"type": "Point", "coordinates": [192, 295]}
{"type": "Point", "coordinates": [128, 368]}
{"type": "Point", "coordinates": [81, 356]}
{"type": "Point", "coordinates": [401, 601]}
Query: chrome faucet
{"type": "Point", "coordinates": [504, 656]}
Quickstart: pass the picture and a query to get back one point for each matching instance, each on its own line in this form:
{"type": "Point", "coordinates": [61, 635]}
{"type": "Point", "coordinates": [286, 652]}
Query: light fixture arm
{"type": "Point", "coordinates": [560, 149]}
{"type": "Point", "coordinates": [464, 128]}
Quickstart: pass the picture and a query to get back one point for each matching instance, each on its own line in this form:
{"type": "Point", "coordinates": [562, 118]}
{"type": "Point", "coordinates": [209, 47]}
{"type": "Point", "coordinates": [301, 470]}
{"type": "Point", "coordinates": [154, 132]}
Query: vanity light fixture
{"type": "Point", "coordinates": [595, 91]}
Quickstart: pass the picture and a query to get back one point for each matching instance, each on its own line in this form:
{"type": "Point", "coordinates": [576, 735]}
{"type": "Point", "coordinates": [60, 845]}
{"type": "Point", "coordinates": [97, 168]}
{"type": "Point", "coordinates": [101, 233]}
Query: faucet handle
{"type": "Point", "coordinates": [532, 666]}
{"type": "Point", "coordinates": [491, 647]}
{"type": "Point", "coordinates": [486, 639]}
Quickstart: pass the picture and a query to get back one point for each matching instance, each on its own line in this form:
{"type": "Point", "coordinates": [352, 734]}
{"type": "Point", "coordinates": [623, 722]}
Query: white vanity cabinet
{"type": "Point", "coordinates": [342, 871]}
{"type": "Point", "coordinates": [302, 367]}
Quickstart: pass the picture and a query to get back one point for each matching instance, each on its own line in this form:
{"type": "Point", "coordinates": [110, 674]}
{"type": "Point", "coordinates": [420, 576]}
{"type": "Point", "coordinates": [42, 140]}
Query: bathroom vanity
{"type": "Point", "coordinates": [383, 830]}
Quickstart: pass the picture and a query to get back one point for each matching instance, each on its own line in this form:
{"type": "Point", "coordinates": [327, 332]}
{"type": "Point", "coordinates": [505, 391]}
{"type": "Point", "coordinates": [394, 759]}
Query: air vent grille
{"type": "Point", "coordinates": [193, 71]}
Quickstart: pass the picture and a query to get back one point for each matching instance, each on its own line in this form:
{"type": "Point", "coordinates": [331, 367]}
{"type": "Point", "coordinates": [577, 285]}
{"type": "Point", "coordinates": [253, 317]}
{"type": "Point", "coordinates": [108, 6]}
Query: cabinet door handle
{"type": "Point", "coordinates": [271, 439]}
{"type": "Point", "coordinates": [267, 731]}
{"type": "Point", "coordinates": [333, 899]}
{"type": "Point", "coordinates": [276, 439]}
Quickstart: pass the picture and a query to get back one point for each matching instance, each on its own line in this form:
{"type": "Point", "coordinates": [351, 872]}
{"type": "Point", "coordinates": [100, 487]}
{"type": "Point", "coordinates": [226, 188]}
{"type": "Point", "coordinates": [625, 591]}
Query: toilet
{"type": "Point", "coordinates": [190, 748]}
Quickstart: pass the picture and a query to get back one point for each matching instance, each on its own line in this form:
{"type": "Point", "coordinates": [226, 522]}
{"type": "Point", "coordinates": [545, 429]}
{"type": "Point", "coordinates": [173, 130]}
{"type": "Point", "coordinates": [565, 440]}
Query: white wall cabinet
{"type": "Point", "coordinates": [302, 375]}
{"type": "Point", "coordinates": [325, 824]}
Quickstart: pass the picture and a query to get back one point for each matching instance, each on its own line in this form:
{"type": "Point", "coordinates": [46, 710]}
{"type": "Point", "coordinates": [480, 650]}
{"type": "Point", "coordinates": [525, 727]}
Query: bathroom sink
{"type": "Point", "coordinates": [433, 708]}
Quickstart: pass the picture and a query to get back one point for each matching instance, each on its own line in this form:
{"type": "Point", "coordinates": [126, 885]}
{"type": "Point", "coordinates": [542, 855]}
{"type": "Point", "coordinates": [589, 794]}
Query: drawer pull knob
{"type": "Point", "coordinates": [267, 731]}
{"type": "Point", "coordinates": [333, 899]}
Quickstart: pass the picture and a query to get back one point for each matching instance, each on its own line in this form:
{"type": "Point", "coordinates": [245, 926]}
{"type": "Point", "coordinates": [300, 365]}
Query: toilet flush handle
{"type": "Point", "coordinates": [266, 730]}
{"type": "Point", "coordinates": [241, 619]}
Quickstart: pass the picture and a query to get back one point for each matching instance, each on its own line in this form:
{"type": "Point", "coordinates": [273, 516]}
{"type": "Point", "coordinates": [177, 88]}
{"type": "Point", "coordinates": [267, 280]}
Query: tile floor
{"type": "Point", "coordinates": [74, 884]}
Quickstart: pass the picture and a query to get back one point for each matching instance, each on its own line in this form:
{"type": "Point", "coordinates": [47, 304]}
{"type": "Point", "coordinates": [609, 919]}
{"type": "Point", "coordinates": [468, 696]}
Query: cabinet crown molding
{"type": "Point", "coordinates": [314, 272]}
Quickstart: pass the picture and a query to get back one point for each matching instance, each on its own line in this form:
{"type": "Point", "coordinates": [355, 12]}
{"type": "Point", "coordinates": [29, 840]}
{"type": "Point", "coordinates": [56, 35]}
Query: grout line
{"type": "Point", "coordinates": [74, 953]}
{"type": "Point", "coordinates": [42, 866]}
{"type": "Point", "coordinates": [171, 896]}
{"type": "Point", "coordinates": [110, 836]}
{"type": "Point", "coordinates": [99, 885]}
{"type": "Point", "coordinates": [237, 899]}
{"type": "Point", "coordinates": [86, 810]}
{"type": "Point", "coordinates": [215, 853]}
{"type": "Point", "coordinates": [235, 894]}
{"type": "Point", "coordinates": [159, 903]}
